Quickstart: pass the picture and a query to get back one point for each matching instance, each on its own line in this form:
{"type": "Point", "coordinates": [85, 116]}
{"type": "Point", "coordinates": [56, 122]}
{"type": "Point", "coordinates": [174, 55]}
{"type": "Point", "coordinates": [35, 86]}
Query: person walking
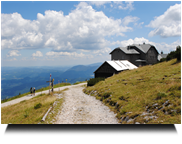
{"type": "Point", "coordinates": [31, 91]}
{"type": "Point", "coordinates": [34, 91]}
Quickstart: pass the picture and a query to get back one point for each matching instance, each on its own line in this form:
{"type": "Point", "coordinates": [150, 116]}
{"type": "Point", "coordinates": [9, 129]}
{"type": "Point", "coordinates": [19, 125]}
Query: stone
{"type": "Point", "coordinates": [155, 105]}
{"type": "Point", "coordinates": [166, 113]}
{"type": "Point", "coordinates": [116, 105]}
{"type": "Point", "coordinates": [174, 111]}
{"type": "Point", "coordinates": [130, 120]}
{"type": "Point", "coordinates": [170, 105]}
{"type": "Point", "coordinates": [127, 118]}
{"type": "Point", "coordinates": [123, 119]}
{"type": "Point", "coordinates": [166, 103]}
{"type": "Point", "coordinates": [137, 123]}
{"type": "Point", "coordinates": [144, 113]}
{"type": "Point", "coordinates": [160, 108]}
{"type": "Point", "coordinates": [149, 117]}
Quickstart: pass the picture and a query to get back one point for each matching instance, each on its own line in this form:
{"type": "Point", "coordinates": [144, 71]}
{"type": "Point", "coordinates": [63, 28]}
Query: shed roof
{"type": "Point", "coordinates": [120, 65]}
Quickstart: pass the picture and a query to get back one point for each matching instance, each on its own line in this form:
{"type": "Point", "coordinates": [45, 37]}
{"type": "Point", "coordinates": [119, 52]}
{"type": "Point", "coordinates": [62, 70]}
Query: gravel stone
{"type": "Point", "coordinates": [80, 108]}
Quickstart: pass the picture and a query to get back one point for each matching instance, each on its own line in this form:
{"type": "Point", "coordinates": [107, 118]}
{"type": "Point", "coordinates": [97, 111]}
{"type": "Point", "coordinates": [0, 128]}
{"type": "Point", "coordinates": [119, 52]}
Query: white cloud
{"type": "Point", "coordinates": [98, 3]}
{"type": "Point", "coordinates": [127, 5]}
{"type": "Point", "coordinates": [103, 51]}
{"type": "Point", "coordinates": [83, 28]}
{"type": "Point", "coordinates": [52, 53]}
{"type": "Point", "coordinates": [168, 24]}
{"type": "Point", "coordinates": [159, 46]}
{"type": "Point", "coordinates": [24, 59]}
{"type": "Point", "coordinates": [13, 59]}
{"type": "Point", "coordinates": [129, 19]}
{"type": "Point", "coordinates": [37, 54]}
{"type": "Point", "coordinates": [124, 6]}
{"type": "Point", "coordinates": [13, 53]}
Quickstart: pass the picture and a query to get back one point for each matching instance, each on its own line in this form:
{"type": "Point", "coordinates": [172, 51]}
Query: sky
{"type": "Point", "coordinates": [68, 33]}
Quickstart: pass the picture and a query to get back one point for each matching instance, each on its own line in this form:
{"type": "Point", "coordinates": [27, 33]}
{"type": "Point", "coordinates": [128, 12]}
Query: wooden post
{"type": "Point", "coordinates": [50, 84]}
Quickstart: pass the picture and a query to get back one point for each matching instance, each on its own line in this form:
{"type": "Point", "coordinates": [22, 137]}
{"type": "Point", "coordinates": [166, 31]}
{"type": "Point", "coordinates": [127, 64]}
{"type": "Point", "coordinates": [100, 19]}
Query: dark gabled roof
{"type": "Point", "coordinates": [160, 56]}
{"type": "Point", "coordinates": [163, 55]}
{"type": "Point", "coordinates": [143, 47]}
{"type": "Point", "coordinates": [126, 50]}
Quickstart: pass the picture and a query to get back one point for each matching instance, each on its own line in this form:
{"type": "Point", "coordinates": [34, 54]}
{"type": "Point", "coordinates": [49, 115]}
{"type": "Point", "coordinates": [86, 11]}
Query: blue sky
{"type": "Point", "coordinates": [60, 33]}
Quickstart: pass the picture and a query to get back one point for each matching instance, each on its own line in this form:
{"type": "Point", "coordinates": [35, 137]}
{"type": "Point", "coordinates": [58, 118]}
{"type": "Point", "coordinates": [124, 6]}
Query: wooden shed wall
{"type": "Point", "coordinates": [151, 56]}
{"type": "Point", "coordinates": [105, 70]}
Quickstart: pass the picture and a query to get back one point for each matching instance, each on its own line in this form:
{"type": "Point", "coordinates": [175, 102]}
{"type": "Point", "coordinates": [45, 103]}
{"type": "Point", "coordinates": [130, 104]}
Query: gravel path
{"type": "Point", "coordinates": [27, 97]}
{"type": "Point", "coordinates": [79, 108]}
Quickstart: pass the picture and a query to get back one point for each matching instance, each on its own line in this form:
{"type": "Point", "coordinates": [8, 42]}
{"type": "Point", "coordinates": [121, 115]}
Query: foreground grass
{"type": "Point", "coordinates": [149, 94]}
{"type": "Point", "coordinates": [25, 111]}
{"type": "Point", "coordinates": [51, 118]}
{"type": "Point", "coordinates": [39, 90]}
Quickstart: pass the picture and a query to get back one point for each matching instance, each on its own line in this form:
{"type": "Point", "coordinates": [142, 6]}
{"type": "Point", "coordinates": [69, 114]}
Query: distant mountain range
{"type": "Point", "coordinates": [15, 80]}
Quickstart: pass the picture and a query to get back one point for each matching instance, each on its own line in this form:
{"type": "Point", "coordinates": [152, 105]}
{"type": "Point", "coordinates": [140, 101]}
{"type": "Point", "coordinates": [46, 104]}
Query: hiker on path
{"type": "Point", "coordinates": [31, 90]}
{"type": "Point", "coordinates": [34, 91]}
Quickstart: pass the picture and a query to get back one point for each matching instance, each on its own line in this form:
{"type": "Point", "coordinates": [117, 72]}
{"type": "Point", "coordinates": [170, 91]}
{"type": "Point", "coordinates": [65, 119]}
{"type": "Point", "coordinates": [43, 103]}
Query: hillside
{"type": "Point", "coordinates": [149, 94]}
{"type": "Point", "coordinates": [20, 79]}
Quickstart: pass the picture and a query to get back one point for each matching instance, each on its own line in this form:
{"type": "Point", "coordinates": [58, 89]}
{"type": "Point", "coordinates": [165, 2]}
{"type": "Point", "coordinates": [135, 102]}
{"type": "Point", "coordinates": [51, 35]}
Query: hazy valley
{"type": "Point", "coordinates": [15, 80]}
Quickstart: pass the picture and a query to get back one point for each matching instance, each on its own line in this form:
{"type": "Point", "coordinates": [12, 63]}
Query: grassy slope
{"type": "Point", "coordinates": [146, 89]}
{"type": "Point", "coordinates": [25, 113]}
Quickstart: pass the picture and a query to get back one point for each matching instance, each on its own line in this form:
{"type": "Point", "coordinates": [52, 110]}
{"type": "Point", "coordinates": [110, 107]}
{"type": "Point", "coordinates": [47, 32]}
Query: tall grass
{"type": "Point", "coordinates": [25, 111]}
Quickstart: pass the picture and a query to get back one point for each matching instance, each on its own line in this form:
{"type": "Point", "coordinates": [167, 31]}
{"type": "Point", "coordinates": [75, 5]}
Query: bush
{"type": "Point", "coordinates": [37, 106]}
{"type": "Point", "coordinates": [170, 56]}
{"type": "Point", "coordinates": [162, 59]}
{"type": "Point", "coordinates": [93, 81]}
{"type": "Point", "coordinates": [106, 95]}
{"type": "Point", "coordinates": [160, 95]}
{"type": "Point", "coordinates": [174, 54]}
{"type": "Point", "coordinates": [178, 53]}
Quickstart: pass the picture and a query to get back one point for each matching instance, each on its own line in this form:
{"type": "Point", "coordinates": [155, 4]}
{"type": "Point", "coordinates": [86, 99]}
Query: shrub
{"type": "Point", "coordinates": [106, 95]}
{"type": "Point", "coordinates": [174, 54]}
{"type": "Point", "coordinates": [178, 53]}
{"type": "Point", "coordinates": [160, 95]}
{"type": "Point", "coordinates": [170, 56]}
{"type": "Point", "coordinates": [93, 81]}
{"type": "Point", "coordinates": [37, 106]}
{"type": "Point", "coordinates": [162, 59]}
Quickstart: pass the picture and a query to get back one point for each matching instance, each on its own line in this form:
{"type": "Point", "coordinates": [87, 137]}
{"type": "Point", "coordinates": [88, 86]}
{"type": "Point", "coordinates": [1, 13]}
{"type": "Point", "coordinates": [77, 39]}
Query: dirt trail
{"type": "Point", "coordinates": [79, 108]}
{"type": "Point", "coordinates": [27, 97]}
